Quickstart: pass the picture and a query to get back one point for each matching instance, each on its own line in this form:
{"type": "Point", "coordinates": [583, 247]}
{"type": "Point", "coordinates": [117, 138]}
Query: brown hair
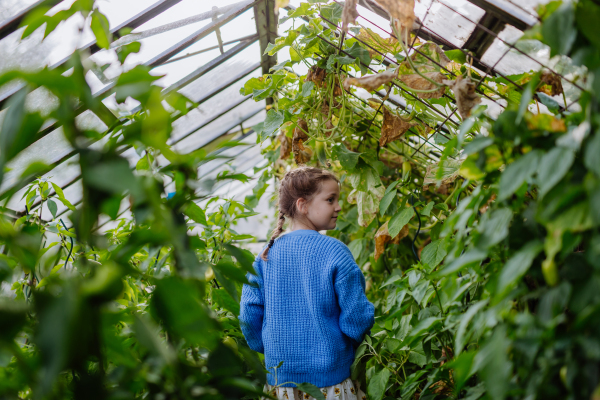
{"type": "Point", "coordinates": [299, 183]}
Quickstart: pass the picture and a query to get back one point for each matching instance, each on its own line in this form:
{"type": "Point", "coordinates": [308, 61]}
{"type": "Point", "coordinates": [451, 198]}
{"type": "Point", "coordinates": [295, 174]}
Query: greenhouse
{"type": "Point", "coordinates": [157, 157]}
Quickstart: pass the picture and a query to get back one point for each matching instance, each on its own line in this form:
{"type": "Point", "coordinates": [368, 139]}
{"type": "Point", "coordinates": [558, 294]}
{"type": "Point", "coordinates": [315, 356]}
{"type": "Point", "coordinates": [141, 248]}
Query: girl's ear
{"type": "Point", "coordinates": [301, 205]}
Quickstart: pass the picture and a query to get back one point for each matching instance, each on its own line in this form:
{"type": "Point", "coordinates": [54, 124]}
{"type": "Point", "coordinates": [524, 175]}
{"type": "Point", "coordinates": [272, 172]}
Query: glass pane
{"type": "Point", "coordinates": [49, 149]}
{"type": "Point", "coordinates": [222, 124]}
{"type": "Point", "coordinates": [10, 8]}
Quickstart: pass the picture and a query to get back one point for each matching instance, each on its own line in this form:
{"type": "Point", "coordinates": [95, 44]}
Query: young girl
{"type": "Point", "coordinates": [306, 305]}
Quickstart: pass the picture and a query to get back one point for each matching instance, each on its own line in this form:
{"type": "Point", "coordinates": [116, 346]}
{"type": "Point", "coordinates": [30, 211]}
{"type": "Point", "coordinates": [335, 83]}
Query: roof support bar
{"type": "Point", "coordinates": [266, 26]}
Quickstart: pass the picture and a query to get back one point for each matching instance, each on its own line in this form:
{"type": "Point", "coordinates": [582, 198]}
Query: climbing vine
{"type": "Point", "coordinates": [475, 228]}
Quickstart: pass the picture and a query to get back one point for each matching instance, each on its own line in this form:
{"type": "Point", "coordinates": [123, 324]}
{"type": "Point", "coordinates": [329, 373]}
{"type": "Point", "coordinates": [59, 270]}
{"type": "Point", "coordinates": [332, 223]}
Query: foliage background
{"type": "Point", "coordinates": [483, 266]}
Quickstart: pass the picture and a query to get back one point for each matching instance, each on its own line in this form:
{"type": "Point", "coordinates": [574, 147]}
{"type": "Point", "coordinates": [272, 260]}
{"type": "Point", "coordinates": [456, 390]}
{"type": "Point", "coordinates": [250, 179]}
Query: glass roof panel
{"type": "Point", "coordinates": [509, 61]}
{"type": "Point", "coordinates": [222, 124]}
{"type": "Point", "coordinates": [447, 18]}
{"type": "Point", "coordinates": [49, 149]}
{"type": "Point", "coordinates": [10, 8]}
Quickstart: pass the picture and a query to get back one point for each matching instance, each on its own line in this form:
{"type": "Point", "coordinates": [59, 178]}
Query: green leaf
{"type": "Point", "coordinates": [518, 173]}
{"type": "Point", "coordinates": [526, 97]}
{"type": "Point", "coordinates": [332, 13]}
{"type": "Point", "coordinates": [347, 158]}
{"type": "Point", "coordinates": [549, 102]}
{"type": "Point", "coordinates": [461, 332]}
{"type": "Point", "coordinates": [434, 253]}
{"type": "Point", "coordinates": [61, 197]}
{"type": "Point", "coordinates": [386, 201]}
{"type": "Point", "coordinates": [592, 154]}
{"type": "Point", "coordinates": [101, 29]}
{"type": "Point", "coordinates": [272, 123]}
{"type": "Point", "coordinates": [113, 176]}
{"type": "Point", "coordinates": [457, 56]}
{"type": "Point", "coordinates": [427, 210]}
{"type": "Point", "coordinates": [148, 336]}
{"type": "Point", "coordinates": [469, 258]}
{"type": "Point", "coordinates": [307, 88]}
{"type": "Point", "coordinates": [495, 228]}
{"type": "Point", "coordinates": [587, 15]}
{"type": "Point", "coordinates": [225, 300]}
{"type": "Point", "coordinates": [243, 256]}
{"type": "Point", "coordinates": [52, 207]}
{"type": "Point", "coordinates": [493, 363]}
{"type": "Point", "coordinates": [553, 167]}
{"type": "Point", "coordinates": [420, 291]}
{"type": "Point", "coordinates": [378, 383]}
{"type": "Point", "coordinates": [195, 213]}
{"type": "Point", "coordinates": [516, 267]}
{"type": "Point", "coordinates": [558, 30]}
{"type": "Point", "coordinates": [356, 51]}
{"type": "Point", "coordinates": [179, 304]}
{"type": "Point", "coordinates": [229, 270]}
{"type": "Point", "coordinates": [312, 390]}
{"type": "Point", "coordinates": [399, 220]}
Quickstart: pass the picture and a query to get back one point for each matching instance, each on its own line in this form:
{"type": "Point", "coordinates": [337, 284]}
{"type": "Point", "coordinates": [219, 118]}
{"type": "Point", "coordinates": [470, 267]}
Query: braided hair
{"type": "Point", "coordinates": [302, 182]}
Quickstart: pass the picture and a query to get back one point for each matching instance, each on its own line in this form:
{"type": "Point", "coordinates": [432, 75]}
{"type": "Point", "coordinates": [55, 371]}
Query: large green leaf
{"type": "Point", "coordinates": [559, 31]}
{"type": "Point", "coordinates": [377, 384]}
{"type": "Point", "coordinates": [399, 220]}
{"type": "Point", "coordinates": [516, 267]}
{"type": "Point", "coordinates": [517, 173]}
{"type": "Point", "coordinates": [553, 167]}
{"type": "Point", "coordinates": [178, 303]}
{"type": "Point", "coordinates": [434, 253]}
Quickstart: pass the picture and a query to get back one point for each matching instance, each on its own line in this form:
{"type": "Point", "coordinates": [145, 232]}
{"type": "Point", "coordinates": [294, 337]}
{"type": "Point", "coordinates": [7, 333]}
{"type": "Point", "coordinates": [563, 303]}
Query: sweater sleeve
{"type": "Point", "coordinates": [357, 314]}
{"type": "Point", "coordinates": [252, 309]}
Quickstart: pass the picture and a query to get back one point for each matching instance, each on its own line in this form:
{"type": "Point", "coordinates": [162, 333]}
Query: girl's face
{"type": "Point", "coordinates": [322, 210]}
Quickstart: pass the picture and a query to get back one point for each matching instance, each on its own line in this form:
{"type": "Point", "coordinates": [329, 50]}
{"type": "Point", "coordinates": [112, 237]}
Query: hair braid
{"type": "Point", "coordinates": [276, 232]}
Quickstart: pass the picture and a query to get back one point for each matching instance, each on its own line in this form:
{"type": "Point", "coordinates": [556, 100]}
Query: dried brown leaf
{"type": "Point", "coordinates": [316, 75]}
{"type": "Point", "coordinates": [550, 84]}
{"type": "Point", "coordinates": [286, 145]}
{"type": "Point", "coordinates": [349, 14]}
{"type": "Point", "coordinates": [382, 237]}
{"type": "Point", "coordinates": [465, 95]}
{"type": "Point", "coordinates": [372, 82]}
{"type": "Point", "coordinates": [416, 81]}
{"type": "Point", "coordinates": [302, 154]}
{"type": "Point", "coordinates": [403, 11]}
{"type": "Point", "coordinates": [393, 127]}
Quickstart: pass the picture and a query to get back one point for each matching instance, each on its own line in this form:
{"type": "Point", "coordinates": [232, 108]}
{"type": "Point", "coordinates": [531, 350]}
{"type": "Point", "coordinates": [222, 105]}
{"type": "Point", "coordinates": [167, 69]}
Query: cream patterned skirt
{"type": "Point", "coordinates": [345, 390]}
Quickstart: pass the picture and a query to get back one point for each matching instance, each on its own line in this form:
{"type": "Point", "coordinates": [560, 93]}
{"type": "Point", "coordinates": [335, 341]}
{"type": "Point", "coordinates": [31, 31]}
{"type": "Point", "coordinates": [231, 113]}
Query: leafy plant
{"type": "Point", "coordinates": [477, 235]}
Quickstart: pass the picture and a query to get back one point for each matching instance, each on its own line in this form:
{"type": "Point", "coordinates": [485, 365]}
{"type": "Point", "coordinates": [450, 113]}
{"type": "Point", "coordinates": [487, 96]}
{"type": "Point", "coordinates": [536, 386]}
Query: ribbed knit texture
{"type": "Point", "coordinates": [307, 307]}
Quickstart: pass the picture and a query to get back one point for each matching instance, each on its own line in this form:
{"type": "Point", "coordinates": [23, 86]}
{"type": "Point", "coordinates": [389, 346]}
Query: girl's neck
{"type": "Point", "coordinates": [298, 224]}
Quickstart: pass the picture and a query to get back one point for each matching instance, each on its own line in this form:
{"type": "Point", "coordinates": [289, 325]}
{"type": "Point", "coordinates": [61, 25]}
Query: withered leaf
{"type": "Point", "coordinates": [349, 14]}
{"type": "Point", "coordinates": [316, 75]}
{"type": "Point", "coordinates": [302, 154]}
{"type": "Point", "coordinates": [416, 81]}
{"type": "Point", "coordinates": [377, 45]}
{"type": "Point", "coordinates": [550, 84]}
{"type": "Point", "coordinates": [402, 11]}
{"type": "Point", "coordinates": [372, 82]}
{"type": "Point", "coordinates": [286, 145]}
{"type": "Point", "coordinates": [464, 92]}
{"type": "Point", "coordinates": [448, 174]}
{"type": "Point", "coordinates": [382, 237]}
{"type": "Point", "coordinates": [393, 127]}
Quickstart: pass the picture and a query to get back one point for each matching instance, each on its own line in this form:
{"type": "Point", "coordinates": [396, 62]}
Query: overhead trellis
{"type": "Point", "coordinates": [212, 84]}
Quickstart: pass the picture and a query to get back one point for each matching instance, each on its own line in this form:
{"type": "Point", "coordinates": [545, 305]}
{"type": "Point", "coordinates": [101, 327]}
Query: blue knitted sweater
{"type": "Point", "coordinates": [306, 306]}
